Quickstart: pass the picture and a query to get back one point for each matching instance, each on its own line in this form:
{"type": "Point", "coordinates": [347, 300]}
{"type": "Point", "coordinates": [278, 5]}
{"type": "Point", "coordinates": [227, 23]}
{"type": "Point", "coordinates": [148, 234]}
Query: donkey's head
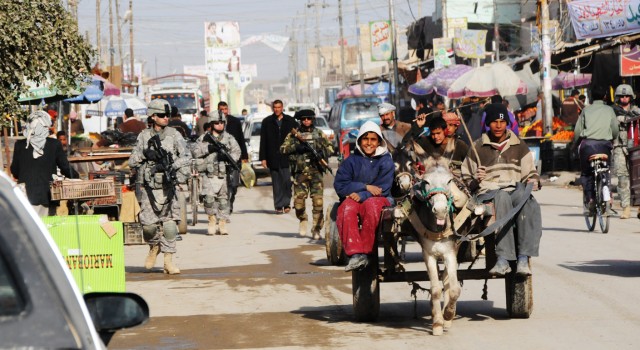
{"type": "Point", "coordinates": [434, 191]}
{"type": "Point", "coordinates": [407, 165]}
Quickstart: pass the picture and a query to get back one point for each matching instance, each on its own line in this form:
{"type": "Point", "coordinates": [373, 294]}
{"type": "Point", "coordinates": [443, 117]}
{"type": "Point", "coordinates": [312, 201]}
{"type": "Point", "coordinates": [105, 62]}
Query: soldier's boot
{"type": "Point", "coordinates": [302, 228]}
{"type": "Point", "coordinates": [222, 227]}
{"type": "Point", "coordinates": [150, 262]}
{"type": "Point", "coordinates": [626, 213]}
{"type": "Point", "coordinates": [169, 267]}
{"type": "Point", "coordinates": [213, 225]}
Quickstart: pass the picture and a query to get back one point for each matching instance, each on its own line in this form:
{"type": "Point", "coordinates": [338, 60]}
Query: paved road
{"type": "Point", "coordinates": [264, 287]}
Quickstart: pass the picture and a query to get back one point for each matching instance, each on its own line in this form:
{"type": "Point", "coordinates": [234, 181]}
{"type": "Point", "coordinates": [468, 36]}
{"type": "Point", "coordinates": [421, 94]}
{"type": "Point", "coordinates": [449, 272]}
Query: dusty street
{"type": "Point", "coordinates": [264, 287]}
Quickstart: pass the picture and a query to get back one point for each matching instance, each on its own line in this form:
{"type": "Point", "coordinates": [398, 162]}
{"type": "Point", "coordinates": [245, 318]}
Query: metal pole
{"type": "Point", "coordinates": [98, 46]}
{"type": "Point", "coordinates": [131, 56]}
{"type": "Point", "coordinates": [342, 67]}
{"type": "Point", "coordinates": [361, 70]}
{"type": "Point", "coordinates": [546, 68]}
{"type": "Point", "coordinates": [496, 31]}
{"type": "Point", "coordinates": [294, 61]}
{"type": "Point", "coordinates": [306, 50]}
{"type": "Point", "coordinates": [394, 56]}
{"type": "Point", "coordinates": [111, 49]}
{"type": "Point", "coordinates": [445, 20]}
{"type": "Point", "coordinates": [318, 53]}
{"type": "Point", "coordinates": [119, 24]}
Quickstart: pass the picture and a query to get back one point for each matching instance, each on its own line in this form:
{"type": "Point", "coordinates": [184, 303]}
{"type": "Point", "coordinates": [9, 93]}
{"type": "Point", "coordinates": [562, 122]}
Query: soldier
{"type": "Point", "coordinates": [159, 208]}
{"type": "Point", "coordinates": [306, 169]}
{"type": "Point", "coordinates": [211, 160]}
{"type": "Point", "coordinates": [624, 111]}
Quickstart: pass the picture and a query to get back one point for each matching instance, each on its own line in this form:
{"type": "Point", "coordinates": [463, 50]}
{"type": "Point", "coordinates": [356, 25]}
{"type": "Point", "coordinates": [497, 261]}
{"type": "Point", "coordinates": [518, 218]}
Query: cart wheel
{"type": "Point", "coordinates": [333, 245]}
{"type": "Point", "coordinates": [366, 291]}
{"type": "Point", "coordinates": [194, 199]}
{"type": "Point", "coordinates": [519, 292]}
{"type": "Point", "coordinates": [182, 202]}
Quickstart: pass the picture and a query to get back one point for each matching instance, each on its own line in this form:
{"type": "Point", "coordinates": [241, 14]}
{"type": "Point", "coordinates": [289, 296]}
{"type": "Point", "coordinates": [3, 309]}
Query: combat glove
{"type": "Point", "coordinates": [151, 154]}
{"type": "Point", "coordinates": [301, 149]}
{"type": "Point", "coordinates": [213, 148]}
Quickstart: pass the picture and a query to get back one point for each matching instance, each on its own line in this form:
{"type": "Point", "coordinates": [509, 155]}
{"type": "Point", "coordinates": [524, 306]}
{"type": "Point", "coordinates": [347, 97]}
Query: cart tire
{"type": "Point", "coordinates": [335, 253]}
{"type": "Point", "coordinates": [182, 202]}
{"type": "Point", "coordinates": [519, 292]}
{"type": "Point", "coordinates": [366, 292]}
{"type": "Point", "coordinates": [194, 199]}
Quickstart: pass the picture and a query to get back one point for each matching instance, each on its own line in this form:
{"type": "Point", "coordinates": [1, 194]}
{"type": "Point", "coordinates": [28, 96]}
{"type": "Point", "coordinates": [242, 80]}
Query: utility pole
{"type": "Point", "coordinates": [394, 55]}
{"type": "Point", "coordinates": [131, 74]}
{"type": "Point", "coordinates": [306, 52]}
{"type": "Point", "coordinates": [445, 20]}
{"type": "Point", "coordinates": [361, 70]}
{"type": "Point", "coordinates": [119, 24]}
{"type": "Point", "coordinates": [342, 67]}
{"type": "Point", "coordinates": [98, 46]}
{"type": "Point", "coordinates": [546, 68]}
{"type": "Point", "coordinates": [111, 48]}
{"type": "Point", "coordinates": [316, 4]}
{"type": "Point", "coordinates": [294, 61]}
{"type": "Point", "coordinates": [496, 31]}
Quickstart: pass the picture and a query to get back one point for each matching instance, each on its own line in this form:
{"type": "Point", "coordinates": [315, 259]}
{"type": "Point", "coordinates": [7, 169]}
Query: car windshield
{"type": "Point", "coordinates": [185, 102]}
{"type": "Point", "coordinates": [320, 122]}
{"type": "Point", "coordinates": [255, 129]}
{"type": "Point", "coordinates": [360, 110]}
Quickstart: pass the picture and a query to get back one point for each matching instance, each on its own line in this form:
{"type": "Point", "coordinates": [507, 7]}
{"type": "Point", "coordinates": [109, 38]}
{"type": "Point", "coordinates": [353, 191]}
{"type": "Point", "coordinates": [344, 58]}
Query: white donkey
{"type": "Point", "coordinates": [432, 218]}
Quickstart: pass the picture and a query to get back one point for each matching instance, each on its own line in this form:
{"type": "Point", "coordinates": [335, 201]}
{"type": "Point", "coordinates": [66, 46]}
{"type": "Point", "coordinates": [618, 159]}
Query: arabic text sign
{"type": "Point", "coordinates": [602, 18]}
{"type": "Point", "coordinates": [441, 50]}
{"type": "Point", "coordinates": [470, 43]}
{"type": "Point", "coordinates": [629, 60]}
{"type": "Point", "coordinates": [380, 40]}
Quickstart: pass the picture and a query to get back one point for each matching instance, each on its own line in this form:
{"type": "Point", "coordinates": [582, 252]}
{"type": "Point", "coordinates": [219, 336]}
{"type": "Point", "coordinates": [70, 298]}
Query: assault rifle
{"type": "Point", "coordinates": [222, 149]}
{"type": "Point", "coordinates": [165, 163]}
{"type": "Point", "coordinates": [321, 163]}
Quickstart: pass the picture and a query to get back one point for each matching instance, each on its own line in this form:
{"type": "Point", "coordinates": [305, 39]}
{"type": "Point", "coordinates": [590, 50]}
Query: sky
{"type": "Point", "coordinates": [170, 34]}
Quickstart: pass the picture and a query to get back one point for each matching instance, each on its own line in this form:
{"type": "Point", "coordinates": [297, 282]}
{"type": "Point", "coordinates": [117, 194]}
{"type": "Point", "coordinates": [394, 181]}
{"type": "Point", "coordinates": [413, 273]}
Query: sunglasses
{"type": "Point", "coordinates": [217, 123]}
{"type": "Point", "coordinates": [162, 115]}
{"type": "Point", "coordinates": [306, 118]}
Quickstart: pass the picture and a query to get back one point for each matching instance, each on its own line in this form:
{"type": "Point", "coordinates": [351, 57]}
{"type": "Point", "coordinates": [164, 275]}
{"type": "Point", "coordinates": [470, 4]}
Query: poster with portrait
{"type": "Point", "coordinates": [222, 47]}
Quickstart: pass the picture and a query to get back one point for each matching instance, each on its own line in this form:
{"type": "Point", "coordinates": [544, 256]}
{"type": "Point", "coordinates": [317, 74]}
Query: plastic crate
{"type": "Point", "coordinates": [133, 233]}
{"type": "Point", "coordinates": [82, 189]}
{"type": "Point", "coordinates": [111, 200]}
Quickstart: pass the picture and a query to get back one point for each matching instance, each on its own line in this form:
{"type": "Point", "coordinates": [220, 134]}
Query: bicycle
{"type": "Point", "coordinates": [600, 165]}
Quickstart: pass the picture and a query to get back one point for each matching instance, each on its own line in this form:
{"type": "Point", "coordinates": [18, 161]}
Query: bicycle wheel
{"type": "Point", "coordinates": [602, 206]}
{"type": "Point", "coordinates": [590, 219]}
{"type": "Point", "coordinates": [604, 219]}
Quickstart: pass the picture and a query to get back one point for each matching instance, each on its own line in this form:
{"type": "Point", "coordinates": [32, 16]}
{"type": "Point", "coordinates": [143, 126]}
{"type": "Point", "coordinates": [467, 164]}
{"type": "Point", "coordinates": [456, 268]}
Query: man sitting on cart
{"type": "Point", "coordinates": [499, 172]}
{"type": "Point", "coordinates": [363, 183]}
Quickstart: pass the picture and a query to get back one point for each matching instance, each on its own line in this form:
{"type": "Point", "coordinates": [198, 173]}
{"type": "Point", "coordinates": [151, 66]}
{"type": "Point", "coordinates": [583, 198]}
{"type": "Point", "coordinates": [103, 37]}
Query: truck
{"type": "Point", "coordinates": [189, 93]}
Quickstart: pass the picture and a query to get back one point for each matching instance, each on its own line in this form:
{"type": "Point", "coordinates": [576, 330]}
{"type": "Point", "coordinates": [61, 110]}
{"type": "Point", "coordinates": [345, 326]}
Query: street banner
{"type": "Point", "coordinates": [380, 40]}
{"type": "Point", "coordinates": [442, 48]}
{"type": "Point", "coordinates": [470, 43]}
{"type": "Point", "coordinates": [276, 42]}
{"type": "Point", "coordinates": [602, 18]}
{"type": "Point", "coordinates": [222, 47]}
{"type": "Point", "coordinates": [629, 60]}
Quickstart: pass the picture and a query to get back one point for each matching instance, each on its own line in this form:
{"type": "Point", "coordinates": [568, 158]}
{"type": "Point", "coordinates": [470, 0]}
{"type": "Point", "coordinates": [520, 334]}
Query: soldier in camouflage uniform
{"type": "Point", "coordinates": [159, 208]}
{"type": "Point", "coordinates": [306, 170]}
{"type": "Point", "coordinates": [215, 166]}
{"type": "Point", "coordinates": [624, 111]}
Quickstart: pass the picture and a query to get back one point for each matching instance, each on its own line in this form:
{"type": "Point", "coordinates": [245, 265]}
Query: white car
{"type": "Point", "coordinates": [251, 132]}
{"type": "Point", "coordinates": [40, 305]}
{"type": "Point", "coordinates": [321, 123]}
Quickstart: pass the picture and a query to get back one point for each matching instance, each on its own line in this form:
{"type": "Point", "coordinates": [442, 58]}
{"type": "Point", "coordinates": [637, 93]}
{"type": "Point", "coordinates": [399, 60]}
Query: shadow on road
{"type": "Point", "coordinates": [564, 229]}
{"type": "Point", "coordinates": [619, 268]}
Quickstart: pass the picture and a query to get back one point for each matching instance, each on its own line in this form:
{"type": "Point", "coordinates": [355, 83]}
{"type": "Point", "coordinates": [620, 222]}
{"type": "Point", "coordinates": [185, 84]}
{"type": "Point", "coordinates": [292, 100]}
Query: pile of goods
{"type": "Point", "coordinates": [561, 134]}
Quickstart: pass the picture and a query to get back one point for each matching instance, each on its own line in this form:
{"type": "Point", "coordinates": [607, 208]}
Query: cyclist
{"type": "Point", "coordinates": [595, 130]}
{"type": "Point", "coordinates": [624, 110]}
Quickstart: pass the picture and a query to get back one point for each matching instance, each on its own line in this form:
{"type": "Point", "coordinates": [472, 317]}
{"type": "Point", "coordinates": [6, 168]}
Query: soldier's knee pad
{"type": "Point", "coordinates": [317, 202]}
{"type": "Point", "coordinates": [298, 203]}
{"type": "Point", "coordinates": [149, 231]}
{"type": "Point", "coordinates": [208, 201]}
{"type": "Point", "coordinates": [170, 230]}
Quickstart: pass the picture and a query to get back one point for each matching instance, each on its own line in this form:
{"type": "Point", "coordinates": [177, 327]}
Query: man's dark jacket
{"type": "Point", "coordinates": [271, 137]}
{"type": "Point", "coordinates": [36, 173]}
{"type": "Point", "coordinates": [234, 127]}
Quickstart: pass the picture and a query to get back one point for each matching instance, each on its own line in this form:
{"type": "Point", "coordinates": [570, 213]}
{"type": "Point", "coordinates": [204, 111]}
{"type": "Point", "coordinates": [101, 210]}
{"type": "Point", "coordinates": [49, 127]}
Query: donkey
{"type": "Point", "coordinates": [435, 197]}
{"type": "Point", "coordinates": [407, 167]}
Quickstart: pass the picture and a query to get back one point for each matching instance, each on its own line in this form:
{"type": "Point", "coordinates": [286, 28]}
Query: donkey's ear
{"type": "Point", "coordinates": [419, 150]}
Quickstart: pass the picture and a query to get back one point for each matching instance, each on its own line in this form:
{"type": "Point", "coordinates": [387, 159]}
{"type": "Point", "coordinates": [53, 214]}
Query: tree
{"type": "Point", "coordinates": [39, 42]}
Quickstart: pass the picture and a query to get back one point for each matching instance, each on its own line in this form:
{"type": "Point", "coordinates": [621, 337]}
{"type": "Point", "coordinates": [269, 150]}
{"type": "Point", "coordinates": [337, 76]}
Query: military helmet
{"type": "Point", "coordinates": [218, 116]}
{"type": "Point", "coordinates": [624, 90]}
{"type": "Point", "coordinates": [304, 113]}
{"type": "Point", "coordinates": [157, 107]}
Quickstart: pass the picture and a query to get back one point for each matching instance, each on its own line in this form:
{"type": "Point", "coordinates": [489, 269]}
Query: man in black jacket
{"type": "Point", "coordinates": [234, 127]}
{"type": "Point", "coordinates": [272, 134]}
{"type": "Point", "coordinates": [36, 159]}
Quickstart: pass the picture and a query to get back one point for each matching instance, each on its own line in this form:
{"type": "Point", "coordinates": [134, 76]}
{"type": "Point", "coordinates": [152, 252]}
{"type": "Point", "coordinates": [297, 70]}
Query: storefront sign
{"type": "Point", "coordinates": [380, 40]}
{"type": "Point", "coordinates": [629, 60]}
{"type": "Point", "coordinates": [602, 18]}
{"type": "Point", "coordinates": [470, 43]}
{"type": "Point", "coordinates": [441, 50]}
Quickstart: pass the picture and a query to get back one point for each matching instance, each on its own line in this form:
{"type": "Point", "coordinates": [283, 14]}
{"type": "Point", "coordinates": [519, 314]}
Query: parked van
{"type": "Point", "coordinates": [349, 114]}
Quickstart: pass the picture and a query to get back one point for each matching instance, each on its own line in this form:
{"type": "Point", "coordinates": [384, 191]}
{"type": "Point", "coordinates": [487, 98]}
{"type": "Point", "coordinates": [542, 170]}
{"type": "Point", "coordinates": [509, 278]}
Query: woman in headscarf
{"type": "Point", "coordinates": [36, 159]}
{"type": "Point", "coordinates": [363, 183]}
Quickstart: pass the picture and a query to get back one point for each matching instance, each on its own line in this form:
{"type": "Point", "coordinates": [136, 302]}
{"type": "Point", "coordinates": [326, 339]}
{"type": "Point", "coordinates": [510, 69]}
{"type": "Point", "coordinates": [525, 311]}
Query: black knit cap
{"type": "Point", "coordinates": [304, 113]}
{"type": "Point", "coordinates": [496, 111]}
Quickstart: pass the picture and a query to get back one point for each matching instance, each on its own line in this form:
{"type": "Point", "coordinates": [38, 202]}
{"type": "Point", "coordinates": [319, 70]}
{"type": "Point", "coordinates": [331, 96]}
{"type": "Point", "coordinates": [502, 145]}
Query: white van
{"type": "Point", "coordinates": [292, 108]}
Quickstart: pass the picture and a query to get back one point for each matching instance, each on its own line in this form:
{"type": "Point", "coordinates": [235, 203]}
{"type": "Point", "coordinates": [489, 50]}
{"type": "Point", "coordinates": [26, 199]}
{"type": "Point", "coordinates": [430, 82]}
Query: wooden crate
{"type": "Point", "coordinates": [133, 233]}
{"type": "Point", "coordinates": [82, 189]}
